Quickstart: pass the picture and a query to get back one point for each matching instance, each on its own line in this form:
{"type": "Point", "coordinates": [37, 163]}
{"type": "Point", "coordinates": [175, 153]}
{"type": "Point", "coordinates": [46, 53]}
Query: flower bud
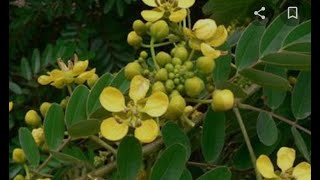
{"type": "Point", "coordinates": [181, 53]}
{"type": "Point", "coordinates": [139, 27]}
{"type": "Point", "coordinates": [205, 64]}
{"type": "Point", "coordinates": [79, 67]}
{"type": "Point", "coordinates": [204, 29]}
{"type": "Point", "coordinates": [189, 65]}
{"type": "Point", "coordinates": [92, 80]}
{"type": "Point", "coordinates": [134, 39]}
{"type": "Point", "coordinates": [169, 85]}
{"type": "Point", "coordinates": [44, 107]}
{"type": "Point", "coordinates": [64, 102]}
{"type": "Point", "coordinates": [10, 105]}
{"type": "Point", "coordinates": [163, 58]}
{"type": "Point", "coordinates": [176, 107]}
{"type": "Point", "coordinates": [159, 30]}
{"type": "Point", "coordinates": [162, 75]}
{"type": "Point", "coordinates": [44, 80]}
{"type": "Point", "coordinates": [85, 76]}
{"type": "Point", "coordinates": [38, 136]}
{"type": "Point", "coordinates": [18, 177]}
{"type": "Point", "coordinates": [194, 86]}
{"type": "Point", "coordinates": [158, 86]}
{"type": "Point", "coordinates": [222, 100]}
{"type": "Point", "coordinates": [169, 67]}
{"type": "Point", "coordinates": [18, 156]}
{"type": "Point", "coordinates": [132, 69]}
{"type": "Point", "coordinates": [176, 61]}
{"type": "Point", "coordinates": [144, 54]}
{"type": "Point", "coordinates": [32, 118]}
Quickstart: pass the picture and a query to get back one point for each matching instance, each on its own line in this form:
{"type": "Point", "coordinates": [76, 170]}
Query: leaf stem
{"type": "Point", "coordinates": [201, 101]}
{"type": "Point", "coordinates": [191, 55]}
{"type": "Point", "coordinates": [247, 140]}
{"type": "Point", "coordinates": [26, 168]}
{"type": "Point", "coordinates": [292, 123]}
{"type": "Point", "coordinates": [153, 53]}
{"type": "Point", "coordinates": [103, 144]}
{"type": "Point", "coordinates": [189, 18]}
{"type": "Point", "coordinates": [157, 45]}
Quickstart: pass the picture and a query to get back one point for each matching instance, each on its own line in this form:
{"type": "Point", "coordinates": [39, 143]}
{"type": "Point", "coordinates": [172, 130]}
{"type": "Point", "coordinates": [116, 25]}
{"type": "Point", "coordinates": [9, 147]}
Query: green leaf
{"type": "Point", "coordinates": [108, 6]}
{"type": "Point", "coordinates": [54, 126]}
{"type": "Point", "coordinates": [213, 135]}
{"type": "Point", "coordinates": [84, 128]}
{"type": "Point", "coordinates": [25, 69]}
{"type": "Point", "coordinates": [220, 173]}
{"type": "Point", "coordinates": [120, 8]}
{"type": "Point", "coordinates": [120, 81]}
{"type": "Point", "coordinates": [301, 33]}
{"type": "Point", "coordinates": [274, 98]}
{"type": "Point", "coordinates": [173, 134]}
{"type": "Point", "coordinates": [301, 145]}
{"type": "Point", "coordinates": [170, 164]}
{"type": "Point", "coordinates": [35, 61]}
{"type": "Point", "coordinates": [289, 60]}
{"type": "Point", "coordinates": [275, 33]}
{"type": "Point", "coordinates": [76, 108]}
{"type": "Point", "coordinates": [301, 96]}
{"type": "Point", "coordinates": [47, 55]}
{"type": "Point", "coordinates": [247, 51]}
{"type": "Point", "coordinates": [93, 102]}
{"type": "Point", "coordinates": [222, 69]}
{"type": "Point", "coordinates": [29, 146]}
{"type": "Point", "coordinates": [15, 88]}
{"type": "Point", "coordinates": [129, 158]}
{"type": "Point", "coordinates": [65, 157]}
{"type": "Point", "coordinates": [267, 129]}
{"type": "Point", "coordinates": [266, 79]}
{"type": "Point", "coordinates": [186, 175]}
{"type": "Point", "coordinates": [304, 47]}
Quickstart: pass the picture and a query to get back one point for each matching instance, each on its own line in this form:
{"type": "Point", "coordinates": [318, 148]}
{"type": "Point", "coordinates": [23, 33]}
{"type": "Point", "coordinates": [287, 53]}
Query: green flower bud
{"type": "Point", "coordinates": [189, 65]}
{"type": "Point", "coordinates": [140, 60]}
{"type": "Point", "coordinates": [139, 27]}
{"type": "Point", "coordinates": [181, 53]}
{"type": "Point", "coordinates": [144, 54]}
{"type": "Point", "coordinates": [162, 75]}
{"type": "Point", "coordinates": [44, 107]}
{"type": "Point", "coordinates": [176, 81]}
{"type": "Point", "coordinates": [222, 100]}
{"type": "Point", "coordinates": [171, 75]}
{"type": "Point", "coordinates": [18, 156]}
{"type": "Point", "coordinates": [174, 93]}
{"type": "Point", "coordinates": [159, 30]}
{"type": "Point", "coordinates": [163, 58]}
{"type": "Point", "coordinates": [170, 85]}
{"type": "Point", "coordinates": [176, 107]}
{"type": "Point", "coordinates": [64, 102]}
{"type": "Point", "coordinates": [194, 86]}
{"type": "Point", "coordinates": [158, 86]}
{"type": "Point", "coordinates": [172, 51]}
{"type": "Point", "coordinates": [132, 69]}
{"type": "Point", "coordinates": [32, 118]}
{"type": "Point", "coordinates": [189, 74]}
{"type": "Point", "coordinates": [146, 72]}
{"type": "Point", "coordinates": [176, 61]}
{"type": "Point", "coordinates": [205, 64]}
{"type": "Point", "coordinates": [92, 80]}
{"type": "Point", "coordinates": [169, 67]}
{"type": "Point", "coordinates": [180, 88]}
{"type": "Point", "coordinates": [19, 177]}
{"type": "Point", "coordinates": [134, 39]}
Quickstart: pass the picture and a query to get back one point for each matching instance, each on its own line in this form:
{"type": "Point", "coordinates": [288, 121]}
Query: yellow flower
{"type": "Point", "coordinates": [175, 10]}
{"type": "Point", "coordinates": [10, 105]}
{"type": "Point", "coordinates": [138, 113]}
{"type": "Point", "coordinates": [285, 161]}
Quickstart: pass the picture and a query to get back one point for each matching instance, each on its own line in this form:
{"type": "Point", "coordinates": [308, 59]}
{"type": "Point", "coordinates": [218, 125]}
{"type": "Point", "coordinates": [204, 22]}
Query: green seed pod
{"type": "Point", "coordinates": [176, 61]}
{"type": "Point", "coordinates": [144, 54]}
{"type": "Point", "coordinates": [169, 67]}
{"type": "Point", "coordinates": [159, 30]}
{"type": "Point", "coordinates": [132, 69]}
{"type": "Point", "coordinates": [194, 86]}
{"type": "Point", "coordinates": [182, 53]}
{"type": "Point", "coordinates": [161, 75]}
{"type": "Point", "coordinates": [163, 58]}
{"type": "Point", "coordinates": [158, 86]}
{"type": "Point", "coordinates": [139, 27]}
{"type": "Point", "coordinates": [205, 64]}
{"type": "Point", "coordinates": [169, 85]}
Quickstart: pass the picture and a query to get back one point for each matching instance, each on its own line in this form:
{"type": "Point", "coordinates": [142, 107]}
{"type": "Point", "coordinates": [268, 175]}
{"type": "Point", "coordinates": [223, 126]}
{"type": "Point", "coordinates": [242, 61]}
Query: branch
{"type": "Point", "coordinates": [103, 144]}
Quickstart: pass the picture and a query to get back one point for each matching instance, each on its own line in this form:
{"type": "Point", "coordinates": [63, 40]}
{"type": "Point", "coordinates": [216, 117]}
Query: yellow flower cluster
{"type": "Point", "coordinates": [174, 10]}
{"type": "Point", "coordinates": [139, 113]}
{"type": "Point", "coordinates": [75, 72]}
{"type": "Point", "coordinates": [285, 161]}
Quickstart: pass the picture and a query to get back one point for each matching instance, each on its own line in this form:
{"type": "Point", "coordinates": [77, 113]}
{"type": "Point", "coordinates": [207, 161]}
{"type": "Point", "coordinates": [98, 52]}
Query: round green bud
{"type": "Point", "coordinates": [64, 102]}
{"type": "Point", "coordinates": [194, 86]}
{"type": "Point", "coordinates": [176, 81]}
{"type": "Point", "coordinates": [132, 69]}
{"type": "Point", "coordinates": [163, 58]}
{"type": "Point", "coordinates": [18, 156]}
{"type": "Point", "coordinates": [178, 66]}
{"type": "Point", "coordinates": [158, 86]}
{"type": "Point", "coordinates": [173, 38]}
{"type": "Point", "coordinates": [161, 75]}
{"type": "Point", "coordinates": [189, 65]}
{"type": "Point", "coordinates": [181, 52]}
{"type": "Point", "coordinates": [176, 61]}
{"type": "Point", "coordinates": [169, 67]}
{"type": "Point", "coordinates": [172, 51]}
{"type": "Point", "coordinates": [139, 27]}
{"type": "Point", "coordinates": [210, 87]}
{"type": "Point", "coordinates": [176, 107]}
{"type": "Point", "coordinates": [222, 100]}
{"type": "Point", "coordinates": [174, 93]}
{"type": "Point", "coordinates": [177, 75]}
{"type": "Point", "coordinates": [144, 54]}
{"type": "Point", "coordinates": [180, 88]}
{"type": "Point", "coordinates": [44, 107]}
{"type": "Point", "coordinates": [205, 64]}
{"type": "Point", "coordinates": [140, 60]}
{"type": "Point", "coordinates": [134, 39]}
{"type": "Point", "coordinates": [146, 72]}
{"type": "Point", "coordinates": [171, 75]}
{"type": "Point", "coordinates": [189, 74]}
{"type": "Point", "coordinates": [159, 30]}
{"type": "Point", "coordinates": [169, 85]}
{"type": "Point", "coordinates": [32, 118]}
{"type": "Point", "coordinates": [19, 177]}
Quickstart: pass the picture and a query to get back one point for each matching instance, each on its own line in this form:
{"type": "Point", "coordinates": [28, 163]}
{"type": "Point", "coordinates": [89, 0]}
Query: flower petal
{"type": "Point", "coordinates": [302, 171]}
{"type": "Point", "coordinates": [195, 44]}
{"type": "Point", "coordinates": [152, 15]}
{"type": "Point", "coordinates": [208, 51]}
{"type": "Point", "coordinates": [139, 87]}
{"type": "Point", "coordinates": [178, 16]}
{"type": "Point", "coordinates": [285, 158]}
{"type": "Point", "coordinates": [147, 132]}
{"type": "Point", "coordinates": [265, 167]}
{"type": "Point", "coordinates": [112, 130]}
{"type": "Point", "coordinates": [157, 104]}
{"type": "Point", "coordinates": [112, 99]}
{"type": "Point", "coordinates": [185, 3]}
{"type": "Point", "coordinates": [79, 67]}
{"type": "Point", "coordinates": [151, 3]}
{"type": "Point", "coordinates": [219, 37]}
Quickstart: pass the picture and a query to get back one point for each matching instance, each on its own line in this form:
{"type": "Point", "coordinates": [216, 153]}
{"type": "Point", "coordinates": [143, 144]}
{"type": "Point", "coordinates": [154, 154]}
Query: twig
{"type": "Point", "coordinates": [103, 144]}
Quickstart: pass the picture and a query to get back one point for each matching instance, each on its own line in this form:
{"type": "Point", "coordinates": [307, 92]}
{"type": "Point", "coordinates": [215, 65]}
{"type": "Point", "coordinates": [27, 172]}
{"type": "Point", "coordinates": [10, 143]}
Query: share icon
{"type": "Point", "coordinates": [257, 13]}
